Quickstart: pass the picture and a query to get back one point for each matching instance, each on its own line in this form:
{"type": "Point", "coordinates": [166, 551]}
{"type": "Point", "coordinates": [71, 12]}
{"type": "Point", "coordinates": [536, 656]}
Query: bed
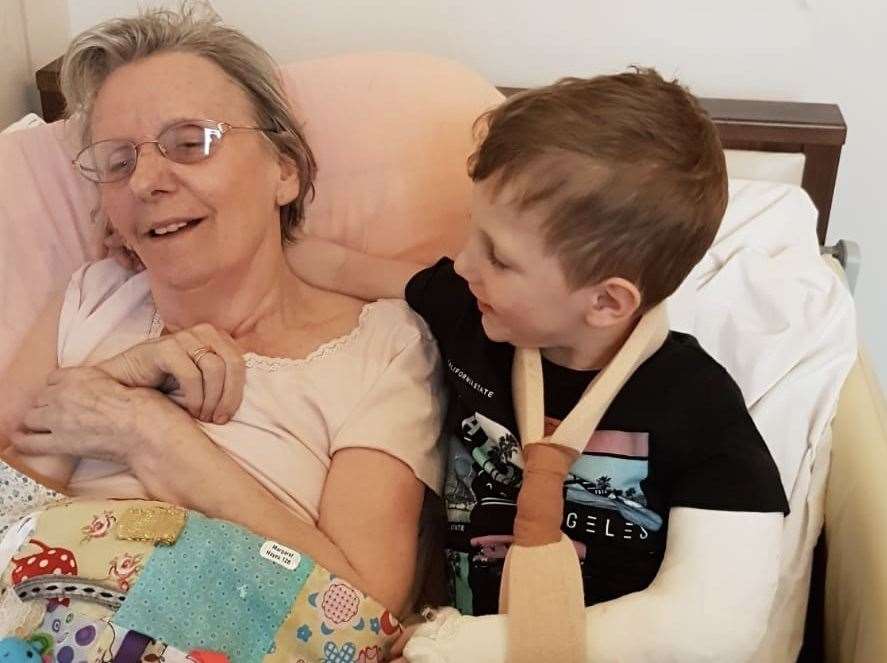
{"type": "Point", "coordinates": [783, 160]}
{"type": "Point", "coordinates": [800, 144]}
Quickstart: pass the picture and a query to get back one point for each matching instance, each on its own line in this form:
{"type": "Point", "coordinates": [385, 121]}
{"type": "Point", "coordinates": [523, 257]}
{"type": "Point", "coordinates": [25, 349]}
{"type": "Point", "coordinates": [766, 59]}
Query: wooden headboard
{"type": "Point", "coordinates": [816, 130]}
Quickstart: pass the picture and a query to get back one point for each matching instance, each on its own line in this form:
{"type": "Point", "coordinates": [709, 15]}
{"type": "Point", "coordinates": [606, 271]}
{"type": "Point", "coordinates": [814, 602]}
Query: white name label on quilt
{"type": "Point", "coordinates": [285, 557]}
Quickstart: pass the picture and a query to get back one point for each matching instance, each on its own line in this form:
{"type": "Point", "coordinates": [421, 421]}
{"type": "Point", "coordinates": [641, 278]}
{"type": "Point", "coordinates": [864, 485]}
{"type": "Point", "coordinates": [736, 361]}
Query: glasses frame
{"type": "Point", "coordinates": [222, 127]}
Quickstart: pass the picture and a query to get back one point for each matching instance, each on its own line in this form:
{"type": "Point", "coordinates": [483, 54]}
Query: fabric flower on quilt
{"type": "Point", "coordinates": [345, 654]}
{"type": "Point", "coordinates": [338, 606]}
{"type": "Point", "coordinates": [372, 654]}
{"type": "Point", "coordinates": [99, 527]}
{"type": "Point", "coordinates": [123, 569]}
{"type": "Point", "coordinates": [375, 626]}
{"type": "Point", "coordinates": [389, 623]}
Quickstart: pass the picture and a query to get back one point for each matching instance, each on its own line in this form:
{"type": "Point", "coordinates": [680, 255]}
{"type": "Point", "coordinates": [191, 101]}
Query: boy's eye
{"type": "Point", "coordinates": [494, 261]}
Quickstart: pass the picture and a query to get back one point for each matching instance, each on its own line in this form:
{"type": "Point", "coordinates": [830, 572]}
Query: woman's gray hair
{"type": "Point", "coordinates": [195, 28]}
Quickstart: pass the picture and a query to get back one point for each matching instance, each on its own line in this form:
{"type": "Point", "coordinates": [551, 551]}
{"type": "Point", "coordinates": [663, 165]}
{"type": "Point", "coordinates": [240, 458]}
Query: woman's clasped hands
{"type": "Point", "coordinates": [101, 411]}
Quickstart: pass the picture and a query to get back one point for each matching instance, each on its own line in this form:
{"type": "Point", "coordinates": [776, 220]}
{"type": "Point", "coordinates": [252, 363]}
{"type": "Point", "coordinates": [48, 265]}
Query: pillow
{"type": "Point", "coordinates": [45, 223]}
{"type": "Point", "coordinates": [391, 134]}
{"type": "Point", "coordinates": [28, 121]}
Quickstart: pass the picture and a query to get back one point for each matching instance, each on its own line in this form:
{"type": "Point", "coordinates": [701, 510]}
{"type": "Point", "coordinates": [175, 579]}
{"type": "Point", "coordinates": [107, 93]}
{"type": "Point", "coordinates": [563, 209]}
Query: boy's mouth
{"type": "Point", "coordinates": [481, 304]}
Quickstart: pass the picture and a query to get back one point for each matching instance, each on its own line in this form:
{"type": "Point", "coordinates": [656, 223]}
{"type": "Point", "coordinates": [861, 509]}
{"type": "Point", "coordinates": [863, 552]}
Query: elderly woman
{"type": "Point", "coordinates": [215, 379]}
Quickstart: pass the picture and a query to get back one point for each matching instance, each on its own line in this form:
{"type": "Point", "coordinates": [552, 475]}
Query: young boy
{"type": "Point", "coordinates": [593, 200]}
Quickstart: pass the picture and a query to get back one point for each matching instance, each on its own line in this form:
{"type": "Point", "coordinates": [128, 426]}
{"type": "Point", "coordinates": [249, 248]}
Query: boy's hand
{"type": "Point", "coordinates": [200, 369]}
{"type": "Point", "coordinates": [395, 654]}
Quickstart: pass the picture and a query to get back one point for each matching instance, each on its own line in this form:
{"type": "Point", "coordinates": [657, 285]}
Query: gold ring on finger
{"type": "Point", "coordinates": [199, 353]}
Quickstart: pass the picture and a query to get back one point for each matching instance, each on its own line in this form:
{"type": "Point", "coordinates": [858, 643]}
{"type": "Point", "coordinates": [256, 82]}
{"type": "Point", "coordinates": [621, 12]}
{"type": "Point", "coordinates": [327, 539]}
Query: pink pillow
{"type": "Point", "coordinates": [46, 230]}
{"type": "Point", "coordinates": [391, 133]}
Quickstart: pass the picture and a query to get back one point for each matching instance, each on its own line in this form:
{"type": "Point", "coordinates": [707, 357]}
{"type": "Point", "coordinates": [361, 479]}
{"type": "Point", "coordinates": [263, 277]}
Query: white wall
{"type": "Point", "coordinates": [48, 29]}
{"type": "Point", "coordinates": [16, 79]}
{"type": "Point", "coordinates": [802, 50]}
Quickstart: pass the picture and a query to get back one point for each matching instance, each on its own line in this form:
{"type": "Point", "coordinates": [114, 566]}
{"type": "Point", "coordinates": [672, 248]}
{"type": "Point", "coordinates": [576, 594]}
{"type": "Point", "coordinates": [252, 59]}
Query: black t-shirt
{"type": "Point", "coordinates": [677, 434]}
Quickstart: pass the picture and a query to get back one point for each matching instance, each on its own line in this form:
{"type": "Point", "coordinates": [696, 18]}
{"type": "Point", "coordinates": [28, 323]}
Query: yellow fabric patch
{"type": "Point", "coordinates": [78, 539]}
{"type": "Point", "coordinates": [154, 524]}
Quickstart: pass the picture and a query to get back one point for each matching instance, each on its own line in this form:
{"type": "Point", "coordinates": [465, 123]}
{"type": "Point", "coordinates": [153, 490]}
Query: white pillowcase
{"type": "Point", "coordinates": [27, 122]}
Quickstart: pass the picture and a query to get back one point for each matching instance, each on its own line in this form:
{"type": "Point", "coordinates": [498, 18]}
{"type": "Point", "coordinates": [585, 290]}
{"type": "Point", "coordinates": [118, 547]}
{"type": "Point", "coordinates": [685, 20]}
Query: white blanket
{"type": "Point", "coordinates": [768, 308]}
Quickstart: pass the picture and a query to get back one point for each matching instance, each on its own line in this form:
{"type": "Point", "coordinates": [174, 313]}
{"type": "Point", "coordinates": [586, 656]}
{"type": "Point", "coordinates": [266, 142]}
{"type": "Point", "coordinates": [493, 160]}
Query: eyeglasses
{"type": "Point", "coordinates": [183, 142]}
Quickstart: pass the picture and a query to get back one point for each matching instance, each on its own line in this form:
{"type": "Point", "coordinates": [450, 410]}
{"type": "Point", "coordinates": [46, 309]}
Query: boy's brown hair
{"type": "Point", "coordinates": [629, 168]}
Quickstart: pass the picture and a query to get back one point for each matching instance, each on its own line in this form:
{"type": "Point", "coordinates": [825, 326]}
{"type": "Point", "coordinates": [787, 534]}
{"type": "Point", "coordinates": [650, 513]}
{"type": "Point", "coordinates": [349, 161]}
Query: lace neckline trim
{"type": "Point", "coordinates": [262, 362]}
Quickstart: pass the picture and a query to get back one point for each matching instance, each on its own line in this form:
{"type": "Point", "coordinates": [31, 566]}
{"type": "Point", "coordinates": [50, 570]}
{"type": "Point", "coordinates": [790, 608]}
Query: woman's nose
{"type": "Point", "coordinates": [151, 174]}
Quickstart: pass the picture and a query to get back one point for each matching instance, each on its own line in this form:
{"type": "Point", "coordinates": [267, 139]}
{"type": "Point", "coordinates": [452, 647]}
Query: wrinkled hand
{"type": "Point", "coordinates": [84, 412]}
{"type": "Point", "coordinates": [209, 385]}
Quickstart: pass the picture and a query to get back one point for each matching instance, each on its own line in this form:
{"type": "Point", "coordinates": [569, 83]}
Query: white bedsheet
{"type": "Point", "coordinates": [767, 307]}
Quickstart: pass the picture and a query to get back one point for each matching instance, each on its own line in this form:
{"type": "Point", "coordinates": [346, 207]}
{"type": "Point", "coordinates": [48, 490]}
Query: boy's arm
{"type": "Point", "coordinates": [709, 603]}
{"type": "Point", "coordinates": [328, 265]}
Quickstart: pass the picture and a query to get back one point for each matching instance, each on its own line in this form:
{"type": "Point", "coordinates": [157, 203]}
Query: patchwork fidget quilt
{"type": "Point", "coordinates": [134, 581]}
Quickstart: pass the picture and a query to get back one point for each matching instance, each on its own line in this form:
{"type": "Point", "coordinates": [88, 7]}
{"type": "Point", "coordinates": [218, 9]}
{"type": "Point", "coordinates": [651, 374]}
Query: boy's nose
{"type": "Point", "coordinates": [462, 264]}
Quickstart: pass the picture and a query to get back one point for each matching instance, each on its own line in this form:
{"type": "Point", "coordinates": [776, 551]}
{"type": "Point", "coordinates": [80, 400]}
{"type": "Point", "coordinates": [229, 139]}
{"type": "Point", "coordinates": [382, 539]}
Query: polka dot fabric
{"type": "Point", "coordinates": [20, 495]}
{"type": "Point", "coordinates": [212, 590]}
{"type": "Point", "coordinates": [74, 636]}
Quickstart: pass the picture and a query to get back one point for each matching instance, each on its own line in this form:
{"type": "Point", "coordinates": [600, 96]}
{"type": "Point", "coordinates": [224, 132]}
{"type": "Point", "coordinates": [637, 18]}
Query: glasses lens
{"type": "Point", "coordinates": [107, 160]}
{"type": "Point", "coordinates": [190, 141]}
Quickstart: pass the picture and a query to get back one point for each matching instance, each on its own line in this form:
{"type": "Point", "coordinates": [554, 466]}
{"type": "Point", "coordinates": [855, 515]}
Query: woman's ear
{"type": "Point", "coordinates": [612, 301]}
{"type": "Point", "coordinates": [121, 251]}
{"type": "Point", "coordinates": [288, 186]}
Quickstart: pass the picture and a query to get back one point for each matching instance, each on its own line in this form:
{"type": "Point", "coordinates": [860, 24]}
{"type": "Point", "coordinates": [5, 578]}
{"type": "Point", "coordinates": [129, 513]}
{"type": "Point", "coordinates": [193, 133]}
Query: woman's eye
{"type": "Point", "coordinates": [191, 143]}
{"type": "Point", "coordinates": [118, 162]}
{"type": "Point", "coordinates": [117, 166]}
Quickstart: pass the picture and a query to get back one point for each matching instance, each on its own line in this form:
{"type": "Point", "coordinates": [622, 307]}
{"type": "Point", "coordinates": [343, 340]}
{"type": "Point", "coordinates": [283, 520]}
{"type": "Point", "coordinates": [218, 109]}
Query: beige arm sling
{"type": "Point", "coordinates": [541, 587]}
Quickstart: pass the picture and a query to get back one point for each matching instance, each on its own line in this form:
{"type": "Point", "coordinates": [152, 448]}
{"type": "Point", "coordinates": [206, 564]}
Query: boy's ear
{"type": "Point", "coordinates": [288, 186]}
{"type": "Point", "coordinates": [612, 301]}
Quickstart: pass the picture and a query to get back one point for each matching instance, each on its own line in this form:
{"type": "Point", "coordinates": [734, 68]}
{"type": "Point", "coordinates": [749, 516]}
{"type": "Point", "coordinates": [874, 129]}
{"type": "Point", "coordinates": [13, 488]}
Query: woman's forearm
{"type": "Point", "coordinates": [53, 471]}
{"type": "Point", "coordinates": [179, 464]}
